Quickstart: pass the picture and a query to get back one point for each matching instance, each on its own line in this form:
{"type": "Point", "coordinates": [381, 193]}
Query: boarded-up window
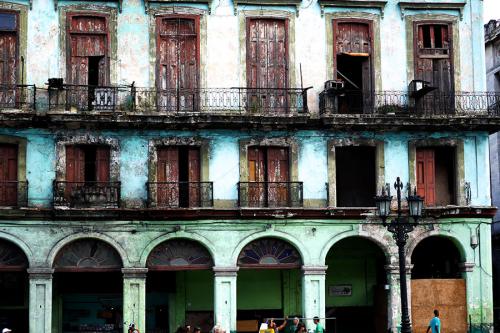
{"type": "Point", "coordinates": [8, 175]}
{"type": "Point", "coordinates": [177, 62]}
{"type": "Point", "coordinates": [436, 175]}
{"type": "Point", "coordinates": [8, 58]}
{"type": "Point", "coordinates": [87, 163]}
{"type": "Point", "coordinates": [269, 166]}
{"type": "Point", "coordinates": [178, 176]}
{"type": "Point", "coordinates": [267, 64]}
{"type": "Point", "coordinates": [434, 54]}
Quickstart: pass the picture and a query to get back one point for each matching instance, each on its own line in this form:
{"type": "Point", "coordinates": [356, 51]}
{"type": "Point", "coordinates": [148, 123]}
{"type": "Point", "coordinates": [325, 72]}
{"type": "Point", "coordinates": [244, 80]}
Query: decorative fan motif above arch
{"type": "Point", "coordinates": [88, 255]}
{"type": "Point", "coordinates": [177, 254]}
{"type": "Point", "coordinates": [269, 253]}
{"type": "Point", "coordinates": [12, 258]}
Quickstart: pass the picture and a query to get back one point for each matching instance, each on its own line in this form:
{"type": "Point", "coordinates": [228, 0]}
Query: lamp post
{"type": "Point", "coordinates": [400, 227]}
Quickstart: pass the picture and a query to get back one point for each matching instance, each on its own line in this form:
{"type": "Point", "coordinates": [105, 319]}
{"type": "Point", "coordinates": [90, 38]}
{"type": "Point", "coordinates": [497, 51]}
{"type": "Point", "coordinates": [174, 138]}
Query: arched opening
{"type": "Point", "coordinates": [356, 287]}
{"type": "Point", "coordinates": [179, 287]}
{"type": "Point", "coordinates": [437, 283]}
{"type": "Point", "coordinates": [14, 289]}
{"type": "Point", "coordinates": [269, 283]}
{"type": "Point", "coordinates": [87, 288]}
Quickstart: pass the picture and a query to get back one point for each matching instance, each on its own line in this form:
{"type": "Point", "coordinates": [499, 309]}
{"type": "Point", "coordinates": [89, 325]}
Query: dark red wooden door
{"type": "Point", "coordinates": [352, 38]}
{"type": "Point", "coordinates": [426, 178]}
{"type": "Point", "coordinates": [8, 59]}
{"type": "Point", "coordinates": [8, 175]}
{"type": "Point", "coordinates": [102, 163]}
{"type": "Point", "coordinates": [195, 191]}
{"type": "Point", "coordinates": [256, 191]}
{"type": "Point", "coordinates": [75, 164]}
{"type": "Point", "coordinates": [277, 176]}
{"type": "Point", "coordinates": [88, 38]}
{"type": "Point", "coordinates": [168, 176]}
{"type": "Point", "coordinates": [177, 61]}
{"type": "Point", "coordinates": [267, 64]}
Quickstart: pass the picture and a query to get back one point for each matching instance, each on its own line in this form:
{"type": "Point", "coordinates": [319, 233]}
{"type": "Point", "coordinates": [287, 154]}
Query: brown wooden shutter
{"type": "Point", "coordinates": [8, 175]}
{"type": "Point", "coordinates": [278, 172]}
{"type": "Point", "coordinates": [426, 175]}
{"type": "Point", "coordinates": [75, 164]}
{"type": "Point", "coordinates": [256, 189]}
{"type": "Point", "coordinates": [102, 163]}
{"type": "Point", "coordinates": [8, 58]}
{"type": "Point", "coordinates": [352, 37]}
{"type": "Point", "coordinates": [194, 176]}
{"type": "Point", "coordinates": [168, 174]}
{"type": "Point", "coordinates": [178, 58]}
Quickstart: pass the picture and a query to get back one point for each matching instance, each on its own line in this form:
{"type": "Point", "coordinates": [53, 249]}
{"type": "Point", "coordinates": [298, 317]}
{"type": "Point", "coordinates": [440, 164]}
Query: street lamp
{"type": "Point", "coordinates": [400, 227]}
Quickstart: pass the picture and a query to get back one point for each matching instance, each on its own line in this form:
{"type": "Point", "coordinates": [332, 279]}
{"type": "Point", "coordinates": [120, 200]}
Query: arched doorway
{"type": "Point", "coordinates": [356, 287]}
{"type": "Point", "coordinates": [437, 283]}
{"type": "Point", "coordinates": [14, 288]}
{"type": "Point", "coordinates": [87, 288]}
{"type": "Point", "coordinates": [269, 283]}
{"type": "Point", "coordinates": [179, 286]}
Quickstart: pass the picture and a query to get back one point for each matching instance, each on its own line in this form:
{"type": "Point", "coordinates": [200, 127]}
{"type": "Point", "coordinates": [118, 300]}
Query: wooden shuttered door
{"type": "Point", "coordinates": [8, 58]}
{"type": "Point", "coordinates": [268, 167]}
{"type": "Point", "coordinates": [77, 162]}
{"type": "Point", "coordinates": [426, 175]}
{"type": "Point", "coordinates": [178, 187]}
{"type": "Point", "coordinates": [8, 175]}
{"type": "Point", "coordinates": [177, 63]}
{"type": "Point", "coordinates": [434, 55]}
{"type": "Point", "coordinates": [267, 64]}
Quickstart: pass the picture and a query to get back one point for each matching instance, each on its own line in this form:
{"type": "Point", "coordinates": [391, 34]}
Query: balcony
{"type": "Point", "coordinates": [87, 194]}
{"type": "Point", "coordinates": [180, 194]}
{"type": "Point", "coordinates": [85, 98]}
{"type": "Point", "coordinates": [270, 194]}
{"type": "Point", "coordinates": [230, 101]}
{"type": "Point", "coordinates": [13, 193]}
{"type": "Point", "coordinates": [402, 104]}
{"type": "Point", "coordinates": [17, 97]}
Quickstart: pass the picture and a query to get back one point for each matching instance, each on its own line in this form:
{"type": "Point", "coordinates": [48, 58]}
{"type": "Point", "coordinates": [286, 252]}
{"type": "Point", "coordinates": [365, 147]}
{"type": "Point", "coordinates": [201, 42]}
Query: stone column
{"type": "Point", "coordinates": [225, 297]}
{"type": "Point", "coordinates": [40, 302]}
{"type": "Point", "coordinates": [394, 296]}
{"type": "Point", "coordinates": [313, 293]}
{"type": "Point", "coordinates": [134, 298]}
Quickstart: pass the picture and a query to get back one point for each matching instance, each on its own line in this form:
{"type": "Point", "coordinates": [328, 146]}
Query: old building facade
{"type": "Point", "coordinates": [216, 161]}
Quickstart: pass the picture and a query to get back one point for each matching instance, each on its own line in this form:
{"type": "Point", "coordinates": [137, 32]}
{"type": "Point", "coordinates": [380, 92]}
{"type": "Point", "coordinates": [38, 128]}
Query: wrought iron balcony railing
{"type": "Point", "coordinates": [401, 103]}
{"type": "Point", "coordinates": [18, 96]}
{"type": "Point", "coordinates": [270, 194]}
{"type": "Point", "coordinates": [13, 193]}
{"type": "Point", "coordinates": [87, 194]}
{"type": "Point", "coordinates": [78, 98]}
{"type": "Point", "coordinates": [180, 194]}
{"type": "Point", "coordinates": [248, 101]}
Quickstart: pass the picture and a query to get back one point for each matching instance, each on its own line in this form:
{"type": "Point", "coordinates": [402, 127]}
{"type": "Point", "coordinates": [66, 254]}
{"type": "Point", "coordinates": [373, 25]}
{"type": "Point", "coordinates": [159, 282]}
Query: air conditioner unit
{"type": "Point", "coordinates": [334, 85]}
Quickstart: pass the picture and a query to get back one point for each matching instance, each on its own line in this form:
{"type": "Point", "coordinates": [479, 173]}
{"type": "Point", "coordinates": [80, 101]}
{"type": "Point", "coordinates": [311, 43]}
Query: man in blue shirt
{"type": "Point", "coordinates": [435, 323]}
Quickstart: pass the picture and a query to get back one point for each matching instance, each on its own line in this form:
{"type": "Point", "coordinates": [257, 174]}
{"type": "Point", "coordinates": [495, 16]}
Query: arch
{"type": "Point", "coordinates": [180, 234]}
{"type": "Point", "coordinates": [412, 244]}
{"type": "Point", "coordinates": [383, 244]}
{"type": "Point", "coordinates": [20, 244]}
{"type": "Point", "coordinates": [12, 257]}
{"type": "Point", "coordinates": [179, 254]}
{"type": "Point", "coordinates": [301, 249]}
{"type": "Point", "coordinates": [91, 235]}
{"type": "Point", "coordinates": [87, 254]}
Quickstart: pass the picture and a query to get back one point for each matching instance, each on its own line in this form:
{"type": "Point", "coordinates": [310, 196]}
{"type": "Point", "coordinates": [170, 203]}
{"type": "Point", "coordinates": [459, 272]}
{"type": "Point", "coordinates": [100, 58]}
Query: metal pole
{"type": "Point", "coordinates": [405, 317]}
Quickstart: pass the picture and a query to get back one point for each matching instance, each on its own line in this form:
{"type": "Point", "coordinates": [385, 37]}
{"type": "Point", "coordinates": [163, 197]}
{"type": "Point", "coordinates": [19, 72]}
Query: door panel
{"type": "Point", "coordinates": [277, 175]}
{"type": "Point", "coordinates": [256, 191]}
{"type": "Point", "coordinates": [178, 64]}
{"type": "Point", "coordinates": [75, 170]}
{"type": "Point", "coordinates": [267, 64]}
{"type": "Point", "coordinates": [102, 164]}
{"type": "Point", "coordinates": [425, 164]}
{"type": "Point", "coordinates": [168, 171]}
{"type": "Point", "coordinates": [8, 67]}
{"type": "Point", "coordinates": [8, 175]}
{"type": "Point", "coordinates": [195, 191]}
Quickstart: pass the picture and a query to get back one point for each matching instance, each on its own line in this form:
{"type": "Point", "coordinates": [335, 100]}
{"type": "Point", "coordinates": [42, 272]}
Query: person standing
{"type": "Point", "coordinates": [435, 323]}
{"type": "Point", "coordinates": [319, 327]}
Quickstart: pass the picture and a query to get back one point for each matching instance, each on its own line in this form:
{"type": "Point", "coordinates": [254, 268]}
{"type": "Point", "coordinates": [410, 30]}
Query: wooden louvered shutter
{"type": "Point", "coordinates": [194, 176]}
{"type": "Point", "coordinates": [8, 175]}
{"type": "Point", "coordinates": [256, 176]}
{"type": "Point", "coordinates": [102, 163]}
{"type": "Point", "coordinates": [8, 58]}
{"type": "Point", "coordinates": [278, 175]}
{"type": "Point", "coordinates": [168, 176]}
{"type": "Point", "coordinates": [426, 186]}
{"type": "Point", "coordinates": [75, 164]}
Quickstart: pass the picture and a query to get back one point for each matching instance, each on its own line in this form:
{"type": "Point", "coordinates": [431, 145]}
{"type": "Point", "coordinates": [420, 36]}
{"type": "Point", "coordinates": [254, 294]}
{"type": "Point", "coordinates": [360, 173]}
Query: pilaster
{"type": "Point", "coordinates": [134, 298]}
{"type": "Point", "coordinates": [225, 297]}
{"type": "Point", "coordinates": [40, 299]}
{"type": "Point", "coordinates": [394, 296]}
{"type": "Point", "coordinates": [313, 293]}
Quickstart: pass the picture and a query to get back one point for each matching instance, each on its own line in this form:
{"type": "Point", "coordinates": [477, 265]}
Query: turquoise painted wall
{"type": "Point", "coordinates": [224, 159]}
